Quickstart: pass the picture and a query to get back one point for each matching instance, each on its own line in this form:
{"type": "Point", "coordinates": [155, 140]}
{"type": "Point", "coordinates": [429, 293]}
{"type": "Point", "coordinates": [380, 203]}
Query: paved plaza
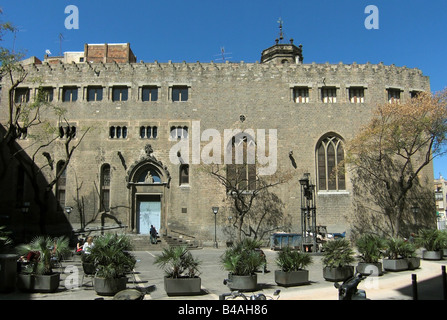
{"type": "Point", "coordinates": [390, 286]}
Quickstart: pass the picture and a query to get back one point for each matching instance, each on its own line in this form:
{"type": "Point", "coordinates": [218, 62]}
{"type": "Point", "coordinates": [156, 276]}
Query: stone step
{"type": "Point", "coordinates": [174, 241]}
{"type": "Point", "coordinates": [143, 243]}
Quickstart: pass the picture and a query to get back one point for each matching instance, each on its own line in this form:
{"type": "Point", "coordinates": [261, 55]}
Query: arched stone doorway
{"type": "Point", "coordinates": [148, 182]}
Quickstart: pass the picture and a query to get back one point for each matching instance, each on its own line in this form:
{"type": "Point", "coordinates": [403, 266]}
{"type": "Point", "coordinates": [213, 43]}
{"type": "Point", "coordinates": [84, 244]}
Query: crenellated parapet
{"type": "Point", "coordinates": [84, 72]}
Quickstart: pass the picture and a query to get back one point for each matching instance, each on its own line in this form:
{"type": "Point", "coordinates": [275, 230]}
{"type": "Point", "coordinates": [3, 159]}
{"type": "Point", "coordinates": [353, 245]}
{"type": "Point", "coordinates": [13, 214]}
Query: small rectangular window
{"type": "Point", "coordinates": [118, 132]}
{"type": "Point", "coordinates": [61, 184]}
{"type": "Point", "coordinates": [21, 95]}
{"type": "Point", "coordinates": [120, 93]}
{"type": "Point", "coordinates": [179, 132]}
{"type": "Point", "coordinates": [329, 95]}
{"type": "Point", "coordinates": [148, 132]}
{"type": "Point", "coordinates": [70, 94]}
{"type": "Point", "coordinates": [180, 93]}
{"type": "Point", "coordinates": [414, 94]}
{"type": "Point", "coordinates": [47, 94]}
{"type": "Point", "coordinates": [149, 93]}
{"type": "Point", "coordinates": [184, 174]}
{"type": "Point", "coordinates": [67, 131]}
{"type": "Point", "coordinates": [393, 95]}
{"type": "Point", "coordinates": [357, 95]}
{"type": "Point", "coordinates": [94, 93]}
{"type": "Point", "coordinates": [301, 94]}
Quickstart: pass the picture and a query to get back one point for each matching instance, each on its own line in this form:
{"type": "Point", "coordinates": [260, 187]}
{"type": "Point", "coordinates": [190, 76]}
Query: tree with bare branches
{"type": "Point", "coordinates": [22, 114]}
{"type": "Point", "coordinates": [242, 191]}
{"type": "Point", "coordinates": [388, 158]}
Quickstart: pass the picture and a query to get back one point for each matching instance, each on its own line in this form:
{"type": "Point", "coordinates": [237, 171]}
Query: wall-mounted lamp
{"type": "Point", "coordinates": [68, 210]}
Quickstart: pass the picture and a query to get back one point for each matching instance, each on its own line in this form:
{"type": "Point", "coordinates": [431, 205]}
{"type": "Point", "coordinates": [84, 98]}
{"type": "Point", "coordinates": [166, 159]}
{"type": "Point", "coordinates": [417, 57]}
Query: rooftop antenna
{"type": "Point", "coordinates": [281, 34]}
{"type": "Point", "coordinates": [15, 30]}
{"type": "Point", "coordinates": [61, 38]}
{"type": "Point", "coordinates": [222, 54]}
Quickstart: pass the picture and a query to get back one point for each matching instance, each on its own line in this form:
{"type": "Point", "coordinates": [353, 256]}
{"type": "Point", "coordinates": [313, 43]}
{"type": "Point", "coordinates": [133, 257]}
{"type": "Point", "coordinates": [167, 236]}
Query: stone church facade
{"type": "Point", "coordinates": [151, 127]}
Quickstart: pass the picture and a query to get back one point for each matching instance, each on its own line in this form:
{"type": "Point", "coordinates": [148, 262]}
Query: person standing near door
{"type": "Point", "coordinates": [153, 233]}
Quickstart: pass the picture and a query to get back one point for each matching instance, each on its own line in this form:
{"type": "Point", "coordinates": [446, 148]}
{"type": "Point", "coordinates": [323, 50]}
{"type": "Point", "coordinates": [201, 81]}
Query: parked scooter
{"type": "Point", "coordinates": [348, 290]}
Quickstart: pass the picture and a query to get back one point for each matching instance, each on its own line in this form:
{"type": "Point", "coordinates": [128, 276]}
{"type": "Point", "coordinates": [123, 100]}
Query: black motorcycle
{"type": "Point", "coordinates": [348, 290]}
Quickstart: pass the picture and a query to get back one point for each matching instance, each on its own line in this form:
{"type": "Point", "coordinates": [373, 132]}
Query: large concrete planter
{"type": "Point", "coordinates": [109, 287]}
{"type": "Point", "coordinates": [38, 283]}
{"type": "Point", "coordinates": [182, 286]}
{"type": "Point", "coordinates": [8, 272]}
{"type": "Point", "coordinates": [243, 283]}
{"type": "Point", "coordinates": [338, 274]}
{"type": "Point", "coordinates": [291, 278]}
{"type": "Point", "coordinates": [444, 252]}
{"type": "Point", "coordinates": [414, 263]}
{"type": "Point", "coordinates": [370, 268]}
{"type": "Point", "coordinates": [431, 255]}
{"type": "Point", "coordinates": [395, 264]}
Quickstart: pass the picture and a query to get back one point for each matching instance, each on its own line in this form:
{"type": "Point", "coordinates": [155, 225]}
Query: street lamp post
{"type": "Point", "coordinates": [215, 211]}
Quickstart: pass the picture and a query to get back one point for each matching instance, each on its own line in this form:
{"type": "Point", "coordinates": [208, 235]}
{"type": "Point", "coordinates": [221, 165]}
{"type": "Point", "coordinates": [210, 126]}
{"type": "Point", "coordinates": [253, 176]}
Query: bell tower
{"type": "Point", "coordinates": [282, 53]}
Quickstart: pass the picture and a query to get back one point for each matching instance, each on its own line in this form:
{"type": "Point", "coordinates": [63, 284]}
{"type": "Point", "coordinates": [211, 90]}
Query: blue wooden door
{"type": "Point", "coordinates": [149, 213]}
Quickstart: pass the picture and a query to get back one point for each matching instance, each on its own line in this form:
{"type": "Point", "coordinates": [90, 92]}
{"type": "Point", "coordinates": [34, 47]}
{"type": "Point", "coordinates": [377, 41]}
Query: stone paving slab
{"type": "Point", "coordinates": [390, 286]}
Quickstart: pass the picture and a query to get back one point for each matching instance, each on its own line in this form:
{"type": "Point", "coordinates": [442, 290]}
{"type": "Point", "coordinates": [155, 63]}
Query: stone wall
{"type": "Point", "coordinates": [218, 95]}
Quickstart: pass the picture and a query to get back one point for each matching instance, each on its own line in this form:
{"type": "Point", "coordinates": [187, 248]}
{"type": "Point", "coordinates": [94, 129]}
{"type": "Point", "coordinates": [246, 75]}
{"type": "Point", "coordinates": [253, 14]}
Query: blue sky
{"type": "Point", "coordinates": [411, 33]}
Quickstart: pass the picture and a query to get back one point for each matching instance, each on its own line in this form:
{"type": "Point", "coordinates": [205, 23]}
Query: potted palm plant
{"type": "Point", "coordinates": [113, 260]}
{"type": "Point", "coordinates": [396, 250]}
{"type": "Point", "coordinates": [40, 254]}
{"type": "Point", "coordinates": [241, 261]}
{"type": "Point", "coordinates": [8, 262]}
{"type": "Point", "coordinates": [371, 248]}
{"type": "Point", "coordinates": [409, 253]}
{"type": "Point", "coordinates": [337, 257]}
{"type": "Point", "coordinates": [444, 247]}
{"type": "Point", "coordinates": [433, 241]}
{"type": "Point", "coordinates": [181, 271]}
{"type": "Point", "coordinates": [292, 266]}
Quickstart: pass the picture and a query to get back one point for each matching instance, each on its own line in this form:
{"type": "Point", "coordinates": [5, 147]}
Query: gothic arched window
{"type": "Point", "coordinates": [241, 172]}
{"type": "Point", "coordinates": [330, 165]}
{"type": "Point", "coordinates": [105, 188]}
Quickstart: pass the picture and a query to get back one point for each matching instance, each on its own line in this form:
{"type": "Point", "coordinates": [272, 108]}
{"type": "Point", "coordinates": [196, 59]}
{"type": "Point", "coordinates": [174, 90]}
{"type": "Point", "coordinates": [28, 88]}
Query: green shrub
{"type": "Point", "coordinates": [431, 239]}
{"type": "Point", "coordinates": [178, 262]}
{"type": "Point", "coordinates": [338, 253]}
{"type": "Point", "coordinates": [371, 247]}
{"type": "Point", "coordinates": [242, 258]}
{"type": "Point", "coordinates": [396, 248]}
{"type": "Point", "coordinates": [111, 256]}
{"type": "Point", "coordinates": [44, 249]}
{"type": "Point", "coordinates": [291, 260]}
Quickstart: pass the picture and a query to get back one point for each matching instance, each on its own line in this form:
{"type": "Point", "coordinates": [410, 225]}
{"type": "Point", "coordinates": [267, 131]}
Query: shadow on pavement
{"type": "Point", "coordinates": [430, 289]}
